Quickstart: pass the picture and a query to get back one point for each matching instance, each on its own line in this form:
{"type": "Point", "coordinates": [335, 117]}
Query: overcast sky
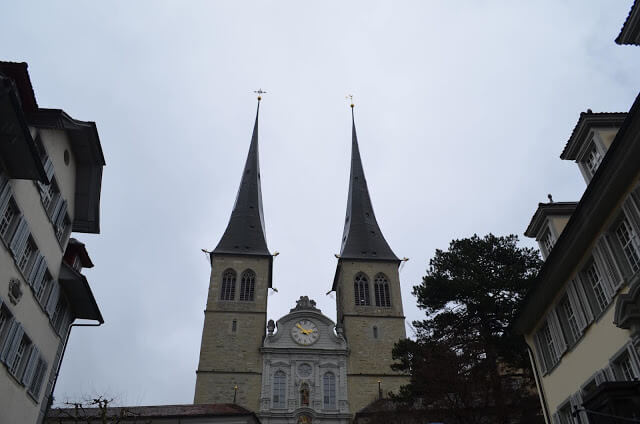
{"type": "Point", "coordinates": [462, 110]}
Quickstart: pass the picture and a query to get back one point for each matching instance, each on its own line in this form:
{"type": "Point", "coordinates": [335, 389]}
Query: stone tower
{"type": "Point", "coordinates": [236, 313]}
{"type": "Point", "coordinates": [369, 302]}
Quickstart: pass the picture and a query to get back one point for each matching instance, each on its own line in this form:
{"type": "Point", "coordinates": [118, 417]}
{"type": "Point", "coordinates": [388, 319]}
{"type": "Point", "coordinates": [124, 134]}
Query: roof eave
{"type": "Point", "coordinates": [586, 122]}
{"type": "Point", "coordinates": [79, 293]}
{"type": "Point", "coordinates": [630, 32]}
{"type": "Point", "coordinates": [87, 151]}
{"type": "Point", "coordinates": [544, 211]}
{"type": "Point", "coordinates": [613, 180]}
{"type": "Point", "coordinates": [19, 153]}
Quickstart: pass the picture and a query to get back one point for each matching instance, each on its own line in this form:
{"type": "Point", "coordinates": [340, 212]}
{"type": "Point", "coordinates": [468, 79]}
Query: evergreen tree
{"type": "Point", "coordinates": [465, 361]}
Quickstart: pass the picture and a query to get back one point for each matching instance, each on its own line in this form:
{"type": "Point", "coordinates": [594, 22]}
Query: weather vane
{"type": "Point", "coordinates": [260, 92]}
{"type": "Point", "coordinates": [350, 97]}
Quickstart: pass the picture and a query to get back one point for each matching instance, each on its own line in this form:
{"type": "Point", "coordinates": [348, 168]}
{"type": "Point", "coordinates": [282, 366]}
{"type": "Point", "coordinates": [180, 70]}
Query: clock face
{"type": "Point", "coordinates": [305, 332]}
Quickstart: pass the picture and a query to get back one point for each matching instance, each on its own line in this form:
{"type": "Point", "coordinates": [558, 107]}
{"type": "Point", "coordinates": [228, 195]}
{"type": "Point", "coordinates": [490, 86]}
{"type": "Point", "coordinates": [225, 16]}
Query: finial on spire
{"type": "Point", "coordinates": [550, 197]}
{"type": "Point", "coordinates": [260, 92]}
{"type": "Point", "coordinates": [350, 97]}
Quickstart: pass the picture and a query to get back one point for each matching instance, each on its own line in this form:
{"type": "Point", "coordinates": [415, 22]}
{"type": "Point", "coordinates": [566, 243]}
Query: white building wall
{"type": "Point", "coordinates": [16, 405]}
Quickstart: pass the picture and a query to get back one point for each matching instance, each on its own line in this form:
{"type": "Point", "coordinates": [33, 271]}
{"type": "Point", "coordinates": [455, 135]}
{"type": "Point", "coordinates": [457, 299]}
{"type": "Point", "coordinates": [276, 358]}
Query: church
{"type": "Point", "coordinates": [302, 368]}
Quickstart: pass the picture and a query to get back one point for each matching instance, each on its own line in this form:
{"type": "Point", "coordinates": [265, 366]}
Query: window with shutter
{"type": "Point", "coordinates": [8, 342]}
{"type": "Point", "coordinates": [59, 218]}
{"type": "Point", "coordinates": [548, 345]}
{"type": "Point", "coordinates": [42, 294]}
{"type": "Point", "coordinates": [38, 377]}
{"type": "Point", "coordinates": [52, 302]}
{"type": "Point", "coordinates": [556, 333]}
{"type": "Point", "coordinates": [24, 261]}
{"type": "Point", "coordinates": [60, 314]}
{"type": "Point", "coordinates": [30, 366]}
{"type": "Point", "coordinates": [568, 320]}
{"type": "Point", "coordinates": [20, 357]}
{"type": "Point", "coordinates": [594, 285]}
{"type": "Point", "coordinates": [8, 211]}
{"type": "Point", "coordinates": [56, 205]}
{"type": "Point", "coordinates": [62, 231]}
{"type": "Point", "coordinates": [5, 322]}
{"type": "Point", "coordinates": [20, 237]}
{"type": "Point", "coordinates": [625, 366]}
{"type": "Point", "coordinates": [629, 243]}
{"type": "Point", "coordinates": [14, 346]}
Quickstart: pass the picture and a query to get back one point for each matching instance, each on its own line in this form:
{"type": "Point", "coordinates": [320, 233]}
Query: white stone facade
{"type": "Point", "coordinates": [314, 372]}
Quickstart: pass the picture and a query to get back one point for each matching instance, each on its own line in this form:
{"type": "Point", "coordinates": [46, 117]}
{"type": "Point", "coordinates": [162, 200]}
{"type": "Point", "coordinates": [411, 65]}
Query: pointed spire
{"type": "Point", "coordinates": [245, 233]}
{"type": "Point", "coordinates": [362, 238]}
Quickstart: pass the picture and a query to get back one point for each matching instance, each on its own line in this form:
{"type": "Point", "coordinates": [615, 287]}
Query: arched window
{"type": "Point", "coordinates": [375, 332]}
{"type": "Point", "coordinates": [304, 394]}
{"type": "Point", "coordinates": [329, 388]}
{"type": "Point", "coordinates": [279, 389]}
{"type": "Point", "coordinates": [247, 285]}
{"type": "Point", "coordinates": [361, 290]}
{"type": "Point", "coordinates": [228, 289]}
{"type": "Point", "coordinates": [381, 290]}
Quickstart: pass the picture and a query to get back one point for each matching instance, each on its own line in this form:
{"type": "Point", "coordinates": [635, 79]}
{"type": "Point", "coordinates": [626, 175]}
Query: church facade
{"type": "Point", "coordinates": [304, 368]}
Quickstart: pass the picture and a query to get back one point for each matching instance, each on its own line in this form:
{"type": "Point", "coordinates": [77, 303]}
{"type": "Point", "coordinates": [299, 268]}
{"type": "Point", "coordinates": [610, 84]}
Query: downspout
{"type": "Point", "coordinates": [543, 400]}
{"type": "Point", "coordinates": [55, 378]}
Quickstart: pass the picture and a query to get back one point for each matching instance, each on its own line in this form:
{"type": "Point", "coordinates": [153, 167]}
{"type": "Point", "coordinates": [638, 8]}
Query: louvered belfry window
{"type": "Point", "coordinates": [381, 289]}
{"type": "Point", "coordinates": [228, 290]}
{"type": "Point", "coordinates": [361, 290]}
{"type": "Point", "coordinates": [248, 286]}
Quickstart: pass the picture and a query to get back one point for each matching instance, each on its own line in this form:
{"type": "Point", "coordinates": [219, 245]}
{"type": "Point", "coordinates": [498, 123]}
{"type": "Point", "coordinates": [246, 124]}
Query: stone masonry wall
{"type": "Point", "coordinates": [229, 357]}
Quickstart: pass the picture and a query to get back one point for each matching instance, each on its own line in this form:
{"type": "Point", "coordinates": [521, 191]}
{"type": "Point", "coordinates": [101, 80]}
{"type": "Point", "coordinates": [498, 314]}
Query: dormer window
{"type": "Point", "coordinates": [547, 242]}
{"type": "Point", "coordinates": [593, 159]}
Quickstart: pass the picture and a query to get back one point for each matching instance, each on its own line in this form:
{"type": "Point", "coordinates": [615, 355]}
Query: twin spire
{"type": "Point", "coordinates": [245, 233]}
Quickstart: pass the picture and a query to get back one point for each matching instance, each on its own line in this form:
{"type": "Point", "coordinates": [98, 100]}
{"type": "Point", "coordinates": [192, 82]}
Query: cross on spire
{"type": "Point", "coordinates": [260, 92]}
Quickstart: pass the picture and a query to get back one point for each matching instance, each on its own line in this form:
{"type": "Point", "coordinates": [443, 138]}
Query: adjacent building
{"type": "Point", "coordinates": [310, 369]}
{"type": "Point", "coordinates": [160, 414]}
{"type": "Point", "coordinates": [581, 319]}
{"type": "Point", "coordinates": [50, 178]}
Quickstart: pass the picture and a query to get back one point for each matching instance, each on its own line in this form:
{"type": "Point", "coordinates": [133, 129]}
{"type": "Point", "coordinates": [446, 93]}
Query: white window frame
{"type": "Point", "coordinates": [593, 143]}
{"type": "Point", "coordinates": [281, 403]}
{"type": "Point", "coordinates": [628, 352]}
{"type": "Point", "coordinates": [331, 386]}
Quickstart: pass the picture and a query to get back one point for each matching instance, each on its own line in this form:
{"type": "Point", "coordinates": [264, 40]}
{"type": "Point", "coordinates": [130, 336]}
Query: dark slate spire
{"type": "Point", "coordinates": [245, 233]}
{"type": "Point", "coordinates": [362, 238]}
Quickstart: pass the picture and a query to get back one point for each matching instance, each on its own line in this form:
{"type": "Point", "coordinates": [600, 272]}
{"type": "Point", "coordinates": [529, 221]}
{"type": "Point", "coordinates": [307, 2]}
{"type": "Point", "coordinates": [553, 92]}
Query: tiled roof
{"type": "Point", "coordinates": [586, 121]}
{"type": "Point", "coordinates": [546, 209]}
{"type": "Point", "coordinates": [157, 411]}
{"type": "Point", "coordinates": [630, 31]}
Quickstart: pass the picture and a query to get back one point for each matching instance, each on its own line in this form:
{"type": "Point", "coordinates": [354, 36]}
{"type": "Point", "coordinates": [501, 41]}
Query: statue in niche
{"type": "Point", "coordinates": [304, 394]}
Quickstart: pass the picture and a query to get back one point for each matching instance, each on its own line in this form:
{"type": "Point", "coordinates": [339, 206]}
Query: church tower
{"type": "Point", "coordinates": [369, 302]}
{"type": "Point", "coordinates": [230, 366]}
